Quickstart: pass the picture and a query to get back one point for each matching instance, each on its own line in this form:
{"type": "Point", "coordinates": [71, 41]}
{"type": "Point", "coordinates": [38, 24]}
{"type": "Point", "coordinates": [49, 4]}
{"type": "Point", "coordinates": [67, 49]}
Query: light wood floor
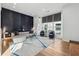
{"type": "Point", "coordinates": [61, 48]}
{"type": "Point", "coordinates": [74, 49]}
{"type": "Point", "coordinates": [6, 44]}
{"type": "Point", "coordinates": [58, 48]}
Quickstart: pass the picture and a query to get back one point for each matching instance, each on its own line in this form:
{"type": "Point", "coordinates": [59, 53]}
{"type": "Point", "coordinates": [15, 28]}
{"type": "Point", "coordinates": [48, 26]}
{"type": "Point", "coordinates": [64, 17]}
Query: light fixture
{"type": "Point", "coordinates": [46, 10]}
{"type": "Point", "coordinates": [14, 5]}
{"type": "Point", "coordinates": [43, 9]}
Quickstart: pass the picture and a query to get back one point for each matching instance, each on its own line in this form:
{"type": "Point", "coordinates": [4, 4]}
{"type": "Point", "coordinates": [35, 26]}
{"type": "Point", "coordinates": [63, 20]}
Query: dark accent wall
{"type": "Point", "coordinates": [15, 21]}
{"type": "Point", "coordinates": [52, 18]}
{"type": "Point", "coordinates": [6, 19]}
{"type": "Point", "coordinates": [26, 24]}
{"type": "Point", "coordinates": [57, 17]}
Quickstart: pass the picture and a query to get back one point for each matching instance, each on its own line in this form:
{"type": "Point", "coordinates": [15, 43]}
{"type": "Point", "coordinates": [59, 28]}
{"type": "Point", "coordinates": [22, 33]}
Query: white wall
{"type": "Point", "coordinates": [0, 28]}
{"type": "Point", "coordinates": [0, 19]}
{"type": "Point", "coordinates": [37, 24]}
{"type": "Point", "coordinates": [50, 25]}
{"type": "Point", "coordinates": [0, 22]}
{"type": "Point", "coordinates": [71, 22]}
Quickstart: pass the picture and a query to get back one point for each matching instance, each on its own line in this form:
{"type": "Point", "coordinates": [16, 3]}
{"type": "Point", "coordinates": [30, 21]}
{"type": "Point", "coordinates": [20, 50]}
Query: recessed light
{"type": "Point", "coordinates": [48, 11]}
{"type": "Point", "coordinates": [14, 5]}
{"type": "Point", "coordinates": [43, 9]}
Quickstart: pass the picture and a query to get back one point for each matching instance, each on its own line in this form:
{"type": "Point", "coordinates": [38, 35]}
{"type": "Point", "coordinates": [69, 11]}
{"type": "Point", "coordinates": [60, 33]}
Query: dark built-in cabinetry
{"type": "Point", "coordinates": [52, 18]}
{"type": "Point", "coordinates": [14, 21]}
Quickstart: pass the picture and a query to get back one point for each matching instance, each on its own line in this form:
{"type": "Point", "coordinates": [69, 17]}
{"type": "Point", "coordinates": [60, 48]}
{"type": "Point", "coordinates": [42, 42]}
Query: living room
{"type": "Point", "coordinates": [39, 29]}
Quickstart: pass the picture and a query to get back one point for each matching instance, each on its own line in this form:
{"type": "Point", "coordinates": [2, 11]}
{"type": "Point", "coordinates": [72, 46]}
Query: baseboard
{"type": "Point", "coordinates": [66, 40]}
{"type": "Point", "coordinates": [72, 41]}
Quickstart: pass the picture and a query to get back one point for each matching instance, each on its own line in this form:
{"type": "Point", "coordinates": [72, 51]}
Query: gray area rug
{"type": "Point", "coordinates": [32, 46]}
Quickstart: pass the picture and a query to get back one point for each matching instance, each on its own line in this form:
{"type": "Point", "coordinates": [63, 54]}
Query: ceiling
{"type": "Point", "coordinates": [35, 9]}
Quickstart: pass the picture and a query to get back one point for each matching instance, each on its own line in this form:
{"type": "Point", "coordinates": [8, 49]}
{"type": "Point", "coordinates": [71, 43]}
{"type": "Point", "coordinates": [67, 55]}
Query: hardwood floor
{"type": "Point", "coordinates": [61, 48]}
{"type": "Point", "coordinates": [58, 48]}
{"type": "Point", "coordinates": [5, 44]}
{"type": "Point", "coordinates": [74, 49]}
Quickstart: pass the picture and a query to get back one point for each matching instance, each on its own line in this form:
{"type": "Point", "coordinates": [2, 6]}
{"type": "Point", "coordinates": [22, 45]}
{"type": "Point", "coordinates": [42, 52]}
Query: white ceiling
{"type": "Point", "coordinates": [35, 9]}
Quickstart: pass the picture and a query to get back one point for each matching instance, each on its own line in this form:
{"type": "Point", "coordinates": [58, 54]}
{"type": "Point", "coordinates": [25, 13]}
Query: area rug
{"type": "Point", "coordinates": [33, 46]}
